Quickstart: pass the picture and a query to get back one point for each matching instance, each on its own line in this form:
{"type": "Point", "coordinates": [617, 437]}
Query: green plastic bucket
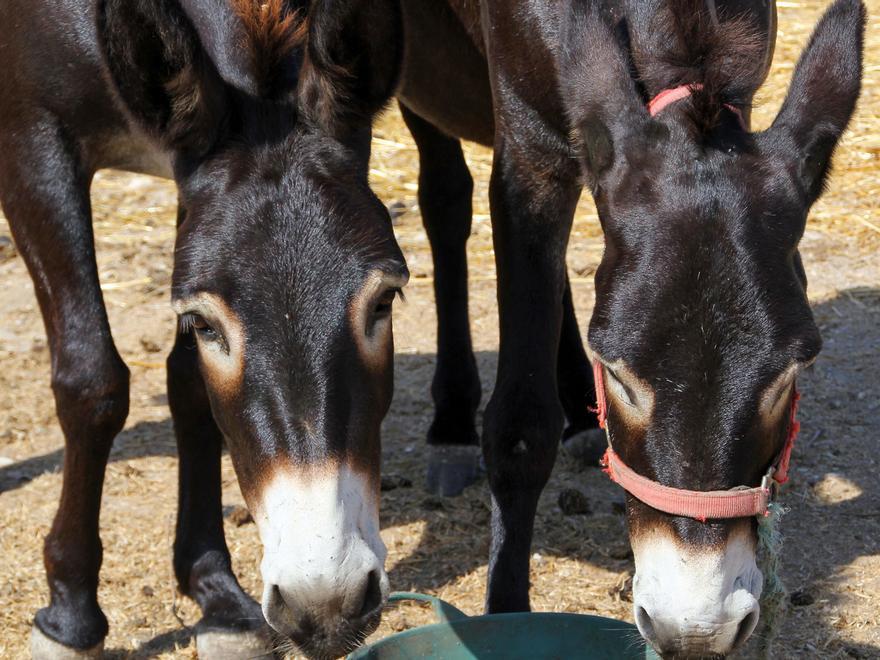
{"type": "Point", "coordinates": [514, 636]}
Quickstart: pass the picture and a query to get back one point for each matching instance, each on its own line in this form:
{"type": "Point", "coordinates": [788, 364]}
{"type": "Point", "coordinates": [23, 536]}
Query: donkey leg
{"type": "Point", "coordinates": [445, 189]}
{"type": "Point", "coordinates": [232, 624]}
{"type": "Point", "coordinates": [582, 437]}
{"type": "Point", "coordinates": [533, 204]}
{"type": "Point", "coordinates": [45, 196]}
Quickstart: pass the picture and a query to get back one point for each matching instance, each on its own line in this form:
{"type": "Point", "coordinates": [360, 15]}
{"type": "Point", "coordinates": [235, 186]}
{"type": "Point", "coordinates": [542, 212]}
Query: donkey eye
{"type": "Point", "coordinates": [783, 394]}
{"type": "Point", "coordinates": [385, 303]}
{"type": "Point", "coordinates": [198, 323]}
{"type": "Point", "coordinates": [620, 390]}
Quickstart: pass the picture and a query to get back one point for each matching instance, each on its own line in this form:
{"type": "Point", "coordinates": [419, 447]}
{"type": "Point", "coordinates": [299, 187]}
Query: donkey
{"type": "Point", "coordinates": [285, 272]}
{"type": "Point", "coordinates": [701, 320]}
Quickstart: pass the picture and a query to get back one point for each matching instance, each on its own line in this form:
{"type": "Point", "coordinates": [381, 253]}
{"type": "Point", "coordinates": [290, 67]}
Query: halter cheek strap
{"type": "Point", "coordinates": [739, 502]}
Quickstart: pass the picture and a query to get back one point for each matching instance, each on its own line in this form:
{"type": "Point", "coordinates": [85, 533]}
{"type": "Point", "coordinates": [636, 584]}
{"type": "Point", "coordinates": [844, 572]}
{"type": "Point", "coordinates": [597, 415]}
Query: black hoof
{"type": "Point", "coordinates": [452, 468]}
{"type": "Point", "coordinates": [586, 447]}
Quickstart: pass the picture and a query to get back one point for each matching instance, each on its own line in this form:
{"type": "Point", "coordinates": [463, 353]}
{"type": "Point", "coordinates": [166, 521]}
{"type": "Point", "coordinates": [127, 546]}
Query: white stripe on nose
{"type": "Point", "coordinates": [696, 600]}
{"type": "Point", "coordinates": [321, 544]}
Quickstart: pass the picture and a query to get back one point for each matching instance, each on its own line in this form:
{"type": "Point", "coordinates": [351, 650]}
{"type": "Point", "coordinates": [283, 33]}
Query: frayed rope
{"type": "Point", "coordinates": [774, 596]}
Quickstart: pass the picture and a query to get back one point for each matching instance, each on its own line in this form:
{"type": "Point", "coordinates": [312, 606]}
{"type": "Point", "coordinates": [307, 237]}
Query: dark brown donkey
{"type": "Point", "coordinates": [285, 271]}
{"type": "Point", "coordinates": [701, 319]}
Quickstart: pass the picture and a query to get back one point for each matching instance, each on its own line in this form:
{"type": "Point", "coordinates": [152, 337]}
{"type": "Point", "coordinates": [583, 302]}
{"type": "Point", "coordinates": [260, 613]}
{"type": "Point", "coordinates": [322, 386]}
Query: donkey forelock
{"type": "Point", "coordinates": [723, 57]}
{"type": "Point", "coordinates": [274, 34]}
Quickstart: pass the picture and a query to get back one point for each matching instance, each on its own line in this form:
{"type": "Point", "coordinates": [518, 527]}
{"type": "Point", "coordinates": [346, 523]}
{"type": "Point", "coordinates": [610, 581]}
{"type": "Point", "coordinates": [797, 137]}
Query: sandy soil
{"type": "Point", "coordinates": [580, 563]}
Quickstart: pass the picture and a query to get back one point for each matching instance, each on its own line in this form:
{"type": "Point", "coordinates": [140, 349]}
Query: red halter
{"type": "Point", "coordinates": [669, 96]}
{"type": "Point", "coordinates": [739, 502]}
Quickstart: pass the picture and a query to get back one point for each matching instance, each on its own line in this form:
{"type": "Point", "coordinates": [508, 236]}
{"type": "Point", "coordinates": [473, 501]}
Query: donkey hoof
{"type": "Point", "coordinates": [216, 644]}
{"type": "Point", "coordinates": [586, 447]}
{"type": "Point", "coordinates": [452, 468]}
{"type": "Point", "coordinates": [44, 647]}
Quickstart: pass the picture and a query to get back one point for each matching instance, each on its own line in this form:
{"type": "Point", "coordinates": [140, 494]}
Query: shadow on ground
{"type": "Point", "coordinates": [140, 441]}
{"type": "Point", "coordinates": [162, 643]}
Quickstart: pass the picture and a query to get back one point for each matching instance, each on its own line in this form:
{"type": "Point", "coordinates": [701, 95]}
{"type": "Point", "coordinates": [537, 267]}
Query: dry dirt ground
{"type": "Point", "coordinates": [580, 563]}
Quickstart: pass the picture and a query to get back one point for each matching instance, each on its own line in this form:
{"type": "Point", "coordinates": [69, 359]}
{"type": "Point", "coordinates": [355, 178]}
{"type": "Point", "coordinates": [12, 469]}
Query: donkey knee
{"type": "Point", "coordinates": [521, 442]}
{"type": "Point", "coordinates": [92, 397]}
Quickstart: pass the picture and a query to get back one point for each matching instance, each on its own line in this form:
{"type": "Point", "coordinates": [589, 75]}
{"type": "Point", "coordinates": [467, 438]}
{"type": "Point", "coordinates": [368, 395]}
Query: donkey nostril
{"type": "Point", "coordinates": [275, 600]}
{"type": "Point", "coordinates": [277, 612]}
{"type": "Point", "coordinates": [644, 623]}
{"type": "Point", "coordinates": [745, 629]}
{"type": "Point", "coordinates": [372, 595]}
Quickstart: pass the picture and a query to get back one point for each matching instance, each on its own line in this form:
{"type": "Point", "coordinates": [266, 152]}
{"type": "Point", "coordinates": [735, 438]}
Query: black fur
{"type": "Point", "coordinates": [163, 77]}
{"type": "Point", "coordinates": [353, 61]}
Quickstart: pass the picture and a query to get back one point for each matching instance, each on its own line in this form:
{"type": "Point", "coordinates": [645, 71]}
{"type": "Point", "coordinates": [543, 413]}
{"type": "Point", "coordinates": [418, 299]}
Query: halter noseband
{"type": "Point", "coordinates": [739, 502]}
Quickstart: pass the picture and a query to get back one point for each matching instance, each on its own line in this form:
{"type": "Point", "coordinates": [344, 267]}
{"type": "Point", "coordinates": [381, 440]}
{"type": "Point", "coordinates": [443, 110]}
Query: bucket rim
{"type": "Point", "coordinates": [510, 617]}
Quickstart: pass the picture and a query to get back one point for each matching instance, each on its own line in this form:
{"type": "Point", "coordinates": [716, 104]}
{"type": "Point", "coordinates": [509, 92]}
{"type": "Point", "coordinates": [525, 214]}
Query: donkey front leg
{"type": "Point", "coordinates": [45, 196]}
{"type": "Point", "coordinates": [533, 200]}
{"type": "Point", "coordinates": [232, 624]}
{"type": "Point", "coordinates": [445, 189]}
{"type": "Point", "coordinates": [582, 438]}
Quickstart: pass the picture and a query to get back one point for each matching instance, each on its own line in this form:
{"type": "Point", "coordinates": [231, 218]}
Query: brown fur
{"type": "Point", "coordinates": [273, 32]}
{"type": "Point", "coordinates": [195, 102]}
{"type": "Point", "coordinates": [351, 63]}
{"type": "Point", "coordinates": [322, 98]}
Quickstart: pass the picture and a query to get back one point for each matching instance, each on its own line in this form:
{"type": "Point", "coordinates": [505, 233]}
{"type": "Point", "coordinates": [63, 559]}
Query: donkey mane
{"type": "Point", "coordinates": [722, 55]}
{"type": "Point", "coordinates": [273, 31]}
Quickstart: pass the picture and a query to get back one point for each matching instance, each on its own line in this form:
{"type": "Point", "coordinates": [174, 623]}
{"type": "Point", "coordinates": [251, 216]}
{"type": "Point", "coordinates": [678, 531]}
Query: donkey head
{"type": "Point", "coordinates": [701, 320]}
{"type": "Point", "coordinates": [285, 271]}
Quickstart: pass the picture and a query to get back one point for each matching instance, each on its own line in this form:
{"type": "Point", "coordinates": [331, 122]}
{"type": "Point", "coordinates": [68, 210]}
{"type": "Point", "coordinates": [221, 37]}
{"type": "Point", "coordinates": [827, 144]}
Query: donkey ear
{"type": "Point", "coordinates": [824, 91]}
{"type": "Point", "coordinates": [352, 61]}
{"type": "Point", "coordinates": [603, 104]}
{"type": "Point", "coordinates": [161, 74]}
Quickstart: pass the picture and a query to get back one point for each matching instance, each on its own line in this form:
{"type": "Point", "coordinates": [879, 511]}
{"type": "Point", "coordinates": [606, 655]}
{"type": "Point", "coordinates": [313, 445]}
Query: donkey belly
{"type": "Point", "coordinates": [55, 75]}
{"type": "Point", "coordinates": [445, 74]}
{"type": "Point", "coordinates": [130, 151]}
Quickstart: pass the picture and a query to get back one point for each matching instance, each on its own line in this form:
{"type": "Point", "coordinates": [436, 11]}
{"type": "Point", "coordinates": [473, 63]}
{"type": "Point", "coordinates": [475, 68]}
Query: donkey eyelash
{"type": "Point", "coordinates": [208, 335]}
{"type": "Point", "coordinates": [185, 323]}
{"type": "Point", "coordinates": [188, 322]}
{"type": "Point", "coordinates": [395, 293]}
{"type": "Point", "coordinates": [805, 366]}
